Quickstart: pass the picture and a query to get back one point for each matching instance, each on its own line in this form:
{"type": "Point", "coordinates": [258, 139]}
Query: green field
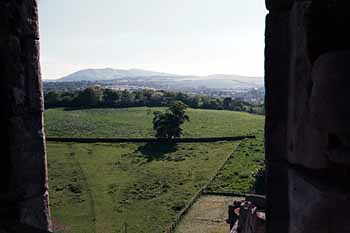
{"type": "Point", "coordinates": [238, 174]}
{"type": "Point", "coordinates": [137, 122]}
{"type": "Point", "coordinates": [101, 188]}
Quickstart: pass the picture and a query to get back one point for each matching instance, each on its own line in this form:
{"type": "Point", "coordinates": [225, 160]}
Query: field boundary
{"type": "Point", "coordinates": [147, 140]}
{"type": "Point", "coordinates": [203, 191]}
{"type": "Point", "coordinates": [226, 194]}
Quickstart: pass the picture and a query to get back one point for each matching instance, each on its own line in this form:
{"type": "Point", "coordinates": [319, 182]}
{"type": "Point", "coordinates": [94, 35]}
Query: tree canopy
{"type": "Point", "coordinates": [168, 124]}
{"type": "Point", "coordinates": [98, 97]}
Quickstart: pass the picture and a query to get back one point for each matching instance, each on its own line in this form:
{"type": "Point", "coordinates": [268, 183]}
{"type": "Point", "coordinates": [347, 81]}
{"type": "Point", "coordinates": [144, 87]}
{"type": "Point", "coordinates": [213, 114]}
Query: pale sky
{"type": "Point", "coordinates": [196, 37]}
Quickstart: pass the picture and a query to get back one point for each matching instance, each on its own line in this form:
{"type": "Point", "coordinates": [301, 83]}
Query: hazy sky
{"type": "Point", "coordinates": [198, 37]}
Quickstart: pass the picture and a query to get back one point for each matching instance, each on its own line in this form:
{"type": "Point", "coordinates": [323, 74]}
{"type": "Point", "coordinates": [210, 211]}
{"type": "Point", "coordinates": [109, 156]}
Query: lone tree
{"type": "Point", "coordinates": [168, 124]}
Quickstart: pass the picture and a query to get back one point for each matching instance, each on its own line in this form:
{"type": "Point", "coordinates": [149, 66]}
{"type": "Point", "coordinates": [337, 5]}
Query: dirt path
{"type": "Point", "coordinates": [207, 215]}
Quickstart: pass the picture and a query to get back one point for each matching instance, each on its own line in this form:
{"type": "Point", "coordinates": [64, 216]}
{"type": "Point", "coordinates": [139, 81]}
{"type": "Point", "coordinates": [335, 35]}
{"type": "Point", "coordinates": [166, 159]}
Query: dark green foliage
{"type": "Point", "coordinates": [168, 125]}
{"type": "Point", "coordinates": [110, 97]}
{"type": "Point", "coordinates": [52, 98]}
{"type": "Point", "coordinates": [104, 97]}
{"type": "Point", "coordinates": [90, 97]}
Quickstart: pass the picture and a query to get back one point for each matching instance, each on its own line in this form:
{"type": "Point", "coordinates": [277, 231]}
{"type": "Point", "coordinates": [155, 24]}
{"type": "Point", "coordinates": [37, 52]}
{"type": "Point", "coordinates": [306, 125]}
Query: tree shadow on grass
{"type": "Point", "coordinates": [156, 151]}
{"type": "Point", "coordinates": [259, 186]}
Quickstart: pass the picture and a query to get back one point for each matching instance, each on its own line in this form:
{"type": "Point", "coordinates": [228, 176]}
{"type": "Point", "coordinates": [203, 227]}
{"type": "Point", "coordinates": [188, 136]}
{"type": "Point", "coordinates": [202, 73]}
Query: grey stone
{"type": "Point", "coordinates": [315, 210]}
{"type": "Point", "coordinates": [277, 211]}
{"type": "Point", "coordinates": [307, 120]}
{"type": "Point", "coordinates": [277, 70]}
{"type": "Point", "coordinates": [29, 164]}
{"type": "Point", "coordinates": [330, 94]}
{"type": "Point", "coordinates": [33, 212]}
{"type": "Point", "coordinates": [19, 18]}
{"type": "Point", "coordinates": [23, 191]}
{"type": "Point", "coordinates": [305, 144]}
{"type": "Point", "coordinates": [20, 76]}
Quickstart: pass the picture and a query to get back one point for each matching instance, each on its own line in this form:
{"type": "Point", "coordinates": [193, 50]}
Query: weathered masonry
{"type": "Point", "coordinates": [23, 180]}
{"type": "Point", "coordinates": [307, 65]}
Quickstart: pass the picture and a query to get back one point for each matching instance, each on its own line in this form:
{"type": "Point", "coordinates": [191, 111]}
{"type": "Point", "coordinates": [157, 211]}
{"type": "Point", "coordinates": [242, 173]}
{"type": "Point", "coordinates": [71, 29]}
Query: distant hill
{"type": "Point", "coordinates": [109, 74]}
{"type": "Point", "coordinates": [160, 80]}
{"type": "Point", "coordinates": [222, 80]}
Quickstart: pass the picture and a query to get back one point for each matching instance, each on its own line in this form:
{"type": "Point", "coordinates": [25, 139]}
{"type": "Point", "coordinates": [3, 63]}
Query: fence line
{"type": "Point", "coordinates": [147, 140]}
{"type": "Point", "coordinates": [202, 191]}
{"type": "Point", "coordinates": [227, 194]}
{"type": "Point", "coordinates": [173, 225]}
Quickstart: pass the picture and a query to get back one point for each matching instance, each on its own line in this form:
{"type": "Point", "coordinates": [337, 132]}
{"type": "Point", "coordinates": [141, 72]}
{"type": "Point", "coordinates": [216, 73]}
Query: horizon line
{"type": "Point", "coordinates": [150, 70]}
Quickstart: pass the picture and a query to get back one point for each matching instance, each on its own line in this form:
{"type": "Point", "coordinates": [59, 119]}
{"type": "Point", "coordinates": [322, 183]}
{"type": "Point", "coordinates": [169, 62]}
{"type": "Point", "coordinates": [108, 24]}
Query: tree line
{"type": "Point", "coordinates": [98, 97]}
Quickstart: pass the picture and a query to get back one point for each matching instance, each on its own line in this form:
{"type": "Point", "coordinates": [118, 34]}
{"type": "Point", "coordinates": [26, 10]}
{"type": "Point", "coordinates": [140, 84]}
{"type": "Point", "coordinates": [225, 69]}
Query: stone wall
{"type": "Point", "coordinates": [23, 189]}
{"type": "Point", "coordinates": [307, 65]}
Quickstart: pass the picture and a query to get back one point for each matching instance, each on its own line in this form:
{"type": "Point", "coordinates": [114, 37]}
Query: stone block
{"type": "Point", "coordinates": [327, 20]}
{"type": "Point", "coordinates": [305, 144]}
{"type": "Point", "coordinates": [21, 85]}
{"type": "Point", "coordinates": [27, 154]}
{"type": "Point", "coordinates": [316, 210]}
{"type": "Point", "coordinates": [16, 227]}
{"type": "Point", "coordinates": [19, 19]}
{"type": "Point", "coordinates": [23, 194]}
{"type": "Point", "coordinates": [35, 212]}
{"type": "Point", "coordinates": [330, 93]}
{"type": "Point", "coordinates": [34, 96]}
{"type": "Point", "coordinates": [277, 71]}
{"type": "Point", "coordinates": [277, 198]}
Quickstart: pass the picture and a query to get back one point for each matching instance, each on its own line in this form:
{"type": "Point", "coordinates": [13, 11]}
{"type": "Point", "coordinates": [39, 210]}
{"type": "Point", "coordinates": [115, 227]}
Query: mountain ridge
{"type": "Point", "coordinates": [108, 74]}
{"type": "Point", "coordinates": [103, 74]}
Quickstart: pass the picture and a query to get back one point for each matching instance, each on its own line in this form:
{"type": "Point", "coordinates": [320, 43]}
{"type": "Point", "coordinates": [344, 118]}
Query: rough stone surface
{"type": "Point", "coordinates": [277, 211]}
{"type": "Point", "coordinates": [307, 118]}
{"type": "Point", "coordinates": [19, 18]}
{"type": "Point", "coordinates": [34, 210]}
{"type": "Point", "coordinates": [313, 209]}
{"type": "Point", "coordinates": [305, 144]}
{"type": "Point", "coordinates": [277, 69]}
{"type": "Point", "coordinates": [330, 93]}
{"type": "Point", "coordinates": [20, 75]}
{"type": "Point", "coordinates": [28, 157]}
{"type": "Point", "coordinates": [23, 190]}
{"type": "Point", "coordinates": [16, 227]}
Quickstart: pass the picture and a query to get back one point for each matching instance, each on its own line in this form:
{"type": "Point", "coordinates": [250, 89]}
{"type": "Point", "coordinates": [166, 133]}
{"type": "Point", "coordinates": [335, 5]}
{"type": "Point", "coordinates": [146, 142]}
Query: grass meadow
{"type": "Point", "coordinates": [102, 187]}
{"type": "Point", "coordinates": [137, 123]}
{"type": "Point", "coordinates": [137, 187]}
